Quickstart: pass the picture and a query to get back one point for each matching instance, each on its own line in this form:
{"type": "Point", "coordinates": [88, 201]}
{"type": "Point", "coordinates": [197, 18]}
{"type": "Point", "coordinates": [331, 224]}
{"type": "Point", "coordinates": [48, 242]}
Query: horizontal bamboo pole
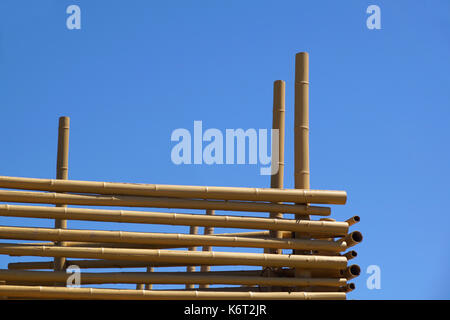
{"type": "Point", "coordinates": [131, 201]}
{"type": "Point", "coordinates": [92, 264]}
{"type": "Point", "coordinates": [311, 227]}
{"type": "Point", "coordinates": [122, 294]}
{"type": "Point", "coordinates": [177, 191]}
{"type": "Point", "coordinates": [166, 278]}
{"type": "Point", "coordinates": [349, 272]}
{"type": "Point", "coordinates": [103, 245]}
{"type": "Point", "coordinates": [345, 288]}
{"type": "Point", "coordinates": [176, 239]}
{"type": "Point", "coordinates": [148, 255]}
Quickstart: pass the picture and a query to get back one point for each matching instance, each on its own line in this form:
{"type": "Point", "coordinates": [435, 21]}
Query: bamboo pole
{"type": "Point", "coordinates": [301, 131]}
{"type": "Point", "coordinates": [122, 294]}
{"type": "Point", "coordinates": [131, 201]}
{"type": "Point", "coordinates": [278, 123]}
{"type": "Point", "coordinates": [169, 239]}
{"type": "Point", "coordinates": [209, 231]}
{"type": "Point", "coordinates": [176, 256]}
{"type": "Point", "coordinates": [92, 264]}
{"type": "Point", "coordinates": [45, 277]}
{"type": "Point", "coordinates": [193, 230]}
{"type": "Point", "coordinates": [62, 173]}
{"type": "Point", "coordinates": [149, 285]}
{"type": "Point", "coordinates": [311, 227]}
{"type": "Point", "coordinates": [349, 272]}
{"type": "Point", "coordinates": [175, 191]}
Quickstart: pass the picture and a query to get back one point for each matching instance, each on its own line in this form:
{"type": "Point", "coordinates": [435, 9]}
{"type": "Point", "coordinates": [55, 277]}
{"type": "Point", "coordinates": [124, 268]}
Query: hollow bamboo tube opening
{"type": "Point", "coordinates": [350, 254]}
{"type": "Point", "coordinates": [62, 173]}
{"type": "Point", "coordinates": [351, 221]}
{"type": "Point", "coordinates": [351, 271]}
{"type": "Point", "coordinates": [348, 287]}
{"type": "Point", "coordinates": [352, 239]}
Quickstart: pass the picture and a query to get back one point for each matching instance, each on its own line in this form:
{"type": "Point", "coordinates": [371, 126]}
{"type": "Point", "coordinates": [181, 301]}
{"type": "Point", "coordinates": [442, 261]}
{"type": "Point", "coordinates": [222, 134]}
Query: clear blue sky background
{"type": "Point", "coordinates": [137, 70]}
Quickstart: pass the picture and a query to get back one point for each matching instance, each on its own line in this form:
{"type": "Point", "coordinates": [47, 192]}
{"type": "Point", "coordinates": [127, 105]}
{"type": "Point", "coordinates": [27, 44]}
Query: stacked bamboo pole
{"type": "Point", "coordinates": [317, 269]}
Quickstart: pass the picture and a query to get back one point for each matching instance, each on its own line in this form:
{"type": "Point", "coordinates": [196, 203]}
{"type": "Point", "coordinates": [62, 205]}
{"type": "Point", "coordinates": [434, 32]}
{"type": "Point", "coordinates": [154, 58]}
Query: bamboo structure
{"type": "Point", "coordinates": [318, 268]}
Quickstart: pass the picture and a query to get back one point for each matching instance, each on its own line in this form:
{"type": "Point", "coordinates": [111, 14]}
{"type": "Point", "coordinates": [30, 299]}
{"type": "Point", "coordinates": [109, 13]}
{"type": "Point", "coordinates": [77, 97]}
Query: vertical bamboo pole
{"type": "Point", "coordinates": [149, 286]}
{"type": "Point", "coordinates": [208, 231]}
{"type": "Point", "coordinates": [192, 230]}
{"type": "Point", "coordinates": [276, 180]}
{"type": "Point", "coordinates": [62, 172]}
{"type": "Point", "coordinates": [301, 131]}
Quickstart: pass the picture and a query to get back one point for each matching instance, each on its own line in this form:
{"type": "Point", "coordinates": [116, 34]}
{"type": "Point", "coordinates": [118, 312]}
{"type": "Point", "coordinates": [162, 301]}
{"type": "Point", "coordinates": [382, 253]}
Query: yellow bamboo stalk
{"type": "Point", "coordinates": [278, 123]}
{"type": "Point", "coordinates": [62, 173]}
{"type": "Point", "coordinates": [176, 256]}
{"type": "Point", "coordinates": [167, 239]}
{"type": "Point", "coordinates": [92, 264]}
{"type": "Point", "coordinates": [349, 272]}
{"type": "Point", "coordinates": [123, 294]}
{"type": "Point", "coordinates": [208, 232]}
{"type": "Point", "coordinates": [175, 191]}
{"type": "Point", "coordinates": [311, 227]}
{"type": "Point", "coordinates": [149, 285]}
{"type": "Point", "coordinates": [45, 277]}
{"type": "Point", "coordinates": [131, 201]}
{"type": "Point", "coordinates": [301, 131]}
{"type": "Point", "coordinates": [193, 230]}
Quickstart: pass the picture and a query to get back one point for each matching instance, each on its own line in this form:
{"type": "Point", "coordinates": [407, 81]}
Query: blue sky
{"type": "Point", "coordinates": [137, 70]}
